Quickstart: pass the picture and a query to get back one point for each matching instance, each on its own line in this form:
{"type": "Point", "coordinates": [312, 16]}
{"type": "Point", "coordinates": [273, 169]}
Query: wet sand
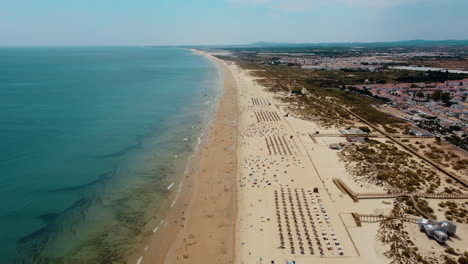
{"type": "Point", "coordinates": [201, 226]}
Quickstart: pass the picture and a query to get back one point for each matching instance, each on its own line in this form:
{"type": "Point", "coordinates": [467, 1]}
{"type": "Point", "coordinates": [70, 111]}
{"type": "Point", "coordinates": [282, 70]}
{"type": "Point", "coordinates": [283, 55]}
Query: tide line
{"type": "Point", "coordinates": [139, 260]}
{"type": "Point", "coordinates": [177, 195]}
{"type": "Point", "coordinates": [156, 229]}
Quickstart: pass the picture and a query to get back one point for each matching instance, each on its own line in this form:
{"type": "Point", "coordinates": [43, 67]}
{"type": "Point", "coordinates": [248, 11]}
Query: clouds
{"type": "Point", "coordinates": [308, 5]}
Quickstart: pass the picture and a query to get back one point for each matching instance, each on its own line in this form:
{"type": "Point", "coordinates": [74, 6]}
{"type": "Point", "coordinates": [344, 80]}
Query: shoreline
{"type": "Point", "coordinates": [182, 184]}
{"type": "Point", "coordinates": [204, 195]}
{"type": "Point", "coordinates": [121, 207]}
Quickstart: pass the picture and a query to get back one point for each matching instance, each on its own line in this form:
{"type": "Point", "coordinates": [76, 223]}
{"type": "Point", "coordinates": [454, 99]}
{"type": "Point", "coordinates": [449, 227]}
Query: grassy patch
{"type": "Point", "coordinates": [385, 165]}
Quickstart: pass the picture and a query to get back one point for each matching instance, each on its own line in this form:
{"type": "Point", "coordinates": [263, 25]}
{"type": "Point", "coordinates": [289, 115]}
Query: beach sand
{"type": "Point", "coordinates": [200, 226]}
{"type": "Point", "coordinates": [289, 207]}
{"type": "Point", "coordinates": [286, 211]}
{"type": "Point", "coordinates": [226, 212]}
{"type": "Point", "coordinates": [263, 191]}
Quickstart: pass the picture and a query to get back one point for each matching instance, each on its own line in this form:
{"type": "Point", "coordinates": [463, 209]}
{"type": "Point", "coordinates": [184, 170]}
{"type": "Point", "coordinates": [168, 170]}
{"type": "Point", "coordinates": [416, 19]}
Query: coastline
{"type": "Point", "coordinates": [127, 166]}
{"type": "Point", "coordinates": [200, 226]}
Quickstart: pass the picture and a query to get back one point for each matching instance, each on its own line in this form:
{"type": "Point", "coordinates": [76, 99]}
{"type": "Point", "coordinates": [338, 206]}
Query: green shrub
{"type": "Point", "coordinates": [449, 260]}
{"type": "Point", "coordinates": [463, 260]}
{"type": "Point", "coordinates": [451, 251]}
{"type": "Point", "coordinates": [365, 129]}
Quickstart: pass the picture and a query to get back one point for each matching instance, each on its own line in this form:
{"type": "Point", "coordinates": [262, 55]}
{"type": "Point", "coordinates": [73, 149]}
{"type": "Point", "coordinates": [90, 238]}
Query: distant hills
{"type": "Point", "coordinates": [279, 45]}
{"type": "Point", "coordinates": [406, 43]}
{"type": "Point", "coordinates": [308, 46]}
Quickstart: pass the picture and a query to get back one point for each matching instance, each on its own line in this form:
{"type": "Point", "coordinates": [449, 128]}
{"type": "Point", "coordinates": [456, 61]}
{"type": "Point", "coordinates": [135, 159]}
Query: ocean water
{"type": "Point", "coordinates": [90, 139]}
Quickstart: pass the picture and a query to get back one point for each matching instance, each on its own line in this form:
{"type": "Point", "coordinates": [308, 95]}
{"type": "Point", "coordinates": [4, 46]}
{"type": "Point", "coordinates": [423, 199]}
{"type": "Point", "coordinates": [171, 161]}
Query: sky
{"type": "Point", "coordinates": [216, 22]}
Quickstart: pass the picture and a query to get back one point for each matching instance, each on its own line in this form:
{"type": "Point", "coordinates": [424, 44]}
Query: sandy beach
{"type": "Point", "coordinates": [289, 206]}
{"type": "Point", "coordinates": [234, 132]}
{"type": "Point", "coordinates": [200, 226]}
{"type": "Point", "coordinates": [263, 191]}
{"type": "Point", "coordinates": [286, 210]}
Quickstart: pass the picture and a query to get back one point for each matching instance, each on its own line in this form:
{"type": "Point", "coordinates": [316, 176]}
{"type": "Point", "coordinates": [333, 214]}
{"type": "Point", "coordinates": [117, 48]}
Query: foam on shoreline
{"type": "Point", "coordinates": [145, 184]}
{"type": "Point", "coordinates": [183, 217]}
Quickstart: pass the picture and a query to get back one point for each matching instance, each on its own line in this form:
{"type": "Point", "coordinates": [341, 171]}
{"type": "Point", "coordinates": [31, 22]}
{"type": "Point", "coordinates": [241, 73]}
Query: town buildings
{"type": "Point", "coordinates": [418, 100]}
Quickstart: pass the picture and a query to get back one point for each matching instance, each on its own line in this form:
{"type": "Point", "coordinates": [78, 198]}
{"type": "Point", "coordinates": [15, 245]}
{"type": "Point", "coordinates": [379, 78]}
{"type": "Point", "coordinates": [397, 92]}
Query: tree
{"type": "Point", "coordinates": [437, 95]}
{"type": "Point", "coordinates": [445, 97]}
{"type": "Point", "coordinates": [456, 128]}
{"type": "Point", "coordinates": [441, 96]}
{"type": "Point", "coordinates": [365, 129]}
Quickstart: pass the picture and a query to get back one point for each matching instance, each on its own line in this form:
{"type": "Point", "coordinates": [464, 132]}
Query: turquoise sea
{"type": "Point", "coordinates": [90, 139]}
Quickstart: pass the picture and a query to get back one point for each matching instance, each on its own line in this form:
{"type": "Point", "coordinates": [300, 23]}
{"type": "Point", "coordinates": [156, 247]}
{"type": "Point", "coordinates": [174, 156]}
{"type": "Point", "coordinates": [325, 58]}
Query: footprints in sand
{"type": "Point", "coordinates": [262, 172]}
{"type": "Point", "coordinates": [260, 130]}
{"type": "Point", "coordinates": [188, 242]}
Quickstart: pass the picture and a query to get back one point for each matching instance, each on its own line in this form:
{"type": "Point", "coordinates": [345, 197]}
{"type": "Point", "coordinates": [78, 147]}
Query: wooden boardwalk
{"type": "Point", "coordinates": [358, 196]}
{"type": "Point", "coordinates": [345, 189]}
{"type": "Point", "coordinates": [419, 210]}
{"type": "Point", "coordinates": [359, 218]}
{"type": "Point", "coordinates": [367, 135]}
{"type": "Point", "coordinates": [422, 195]}
{"type": "Point", "coordinates": [347, 135]}
{"type": "Point", "coordinates": [313, 138]}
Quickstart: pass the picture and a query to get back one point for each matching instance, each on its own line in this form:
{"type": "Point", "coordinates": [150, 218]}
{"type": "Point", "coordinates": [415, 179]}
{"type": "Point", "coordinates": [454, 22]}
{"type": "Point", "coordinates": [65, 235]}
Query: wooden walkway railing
{"type": "Point", "coordinates": [367, 135]}
{"type": "Point", "coordinates": [392, 138]}
{"type": "Point", "coordinates": [357, 196]}
{"type": "Point", "coordinates": [359, 218]}
{"type": "Point", "coordinates": [345, 189]}
{"type": "Point", "coordinates": [313, 139]}
{"type": "Point", "coordinates": [419, 210]}
{"type": "Point", "coordinates": [422, 195]}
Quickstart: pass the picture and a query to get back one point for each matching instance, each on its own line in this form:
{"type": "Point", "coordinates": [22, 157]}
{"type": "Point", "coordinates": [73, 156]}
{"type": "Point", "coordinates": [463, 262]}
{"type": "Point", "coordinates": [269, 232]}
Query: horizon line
{"type": "Point", "coordinates": [213, 45]}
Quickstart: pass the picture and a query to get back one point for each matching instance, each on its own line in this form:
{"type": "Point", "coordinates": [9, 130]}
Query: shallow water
{"type": "Point", "coordinates": [90, 140]}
